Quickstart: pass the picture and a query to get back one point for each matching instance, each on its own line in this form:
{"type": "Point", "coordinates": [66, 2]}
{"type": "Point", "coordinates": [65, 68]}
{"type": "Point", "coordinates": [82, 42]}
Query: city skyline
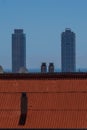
{"type": "Point", "coordinates": [43, 21]}
{"type": "Point", "coordinates": [19, 47]}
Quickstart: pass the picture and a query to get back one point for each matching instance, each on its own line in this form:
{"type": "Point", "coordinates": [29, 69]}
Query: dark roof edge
{"type": "Point", "coordinates": [44, 129]}
{"type": "Point", "coordinates": [43, 76]}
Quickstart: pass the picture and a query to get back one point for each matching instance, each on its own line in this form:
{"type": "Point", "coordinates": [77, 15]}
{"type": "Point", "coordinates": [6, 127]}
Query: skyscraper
{"type": "Point", "coordinates": [68, 56]}
{"type": "Point", "coordinates": [18, 50]}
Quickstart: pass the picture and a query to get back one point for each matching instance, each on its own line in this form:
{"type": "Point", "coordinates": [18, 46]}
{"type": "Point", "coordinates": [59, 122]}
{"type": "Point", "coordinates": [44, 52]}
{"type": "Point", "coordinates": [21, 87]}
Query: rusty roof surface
{"type": "Point", "coordinates": [55, 103]}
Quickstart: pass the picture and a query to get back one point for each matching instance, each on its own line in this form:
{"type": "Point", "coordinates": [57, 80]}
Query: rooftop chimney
{"type": "Point", "coordinates": [43, 68]}
{"type": "Point", "coordinates": [23, 107]}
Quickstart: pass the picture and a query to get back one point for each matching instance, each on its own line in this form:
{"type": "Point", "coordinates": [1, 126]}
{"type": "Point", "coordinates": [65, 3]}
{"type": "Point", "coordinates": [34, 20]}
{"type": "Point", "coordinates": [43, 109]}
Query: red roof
{"type": "Point", "coordinates": [52, 102]}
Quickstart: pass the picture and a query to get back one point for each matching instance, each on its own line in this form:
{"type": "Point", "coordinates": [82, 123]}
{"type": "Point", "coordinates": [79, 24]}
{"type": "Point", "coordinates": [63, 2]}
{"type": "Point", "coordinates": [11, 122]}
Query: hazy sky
{"type": "Point", "coordinates": [43, 21]}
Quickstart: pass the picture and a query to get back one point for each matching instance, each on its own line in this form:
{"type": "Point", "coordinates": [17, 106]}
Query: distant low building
{"type": "Point", "coordinates": [43, 68]}
{"type": "Point", "coordinates": [51, 68]}
{"type": "Point", "coordinates": [23, 70]}
{"type": "Point", "coordinates": [1, 70]}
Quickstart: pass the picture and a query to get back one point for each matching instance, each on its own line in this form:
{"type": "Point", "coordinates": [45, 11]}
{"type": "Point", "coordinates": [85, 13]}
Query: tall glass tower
{"type": "Point", "coordinates": [18, 50]}
{"type": "Point", "coordinates": [68, 56]}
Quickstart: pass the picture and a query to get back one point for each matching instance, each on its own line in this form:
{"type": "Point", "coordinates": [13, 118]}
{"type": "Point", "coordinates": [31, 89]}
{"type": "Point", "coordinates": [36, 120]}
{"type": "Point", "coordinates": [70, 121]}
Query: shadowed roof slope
{"type": "Point", "coordinates": [53, 101]}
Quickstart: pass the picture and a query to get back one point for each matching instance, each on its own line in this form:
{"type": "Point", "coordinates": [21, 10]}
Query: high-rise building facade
{"type": "Point", "coordinates": [68, 54]}
{"type": "Point", "coordinates": [18, 50]}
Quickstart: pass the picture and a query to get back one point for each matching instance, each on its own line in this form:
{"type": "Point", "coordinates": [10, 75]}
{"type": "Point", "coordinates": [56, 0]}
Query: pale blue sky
{"type": "Point", "coordinates": [43, 21]}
